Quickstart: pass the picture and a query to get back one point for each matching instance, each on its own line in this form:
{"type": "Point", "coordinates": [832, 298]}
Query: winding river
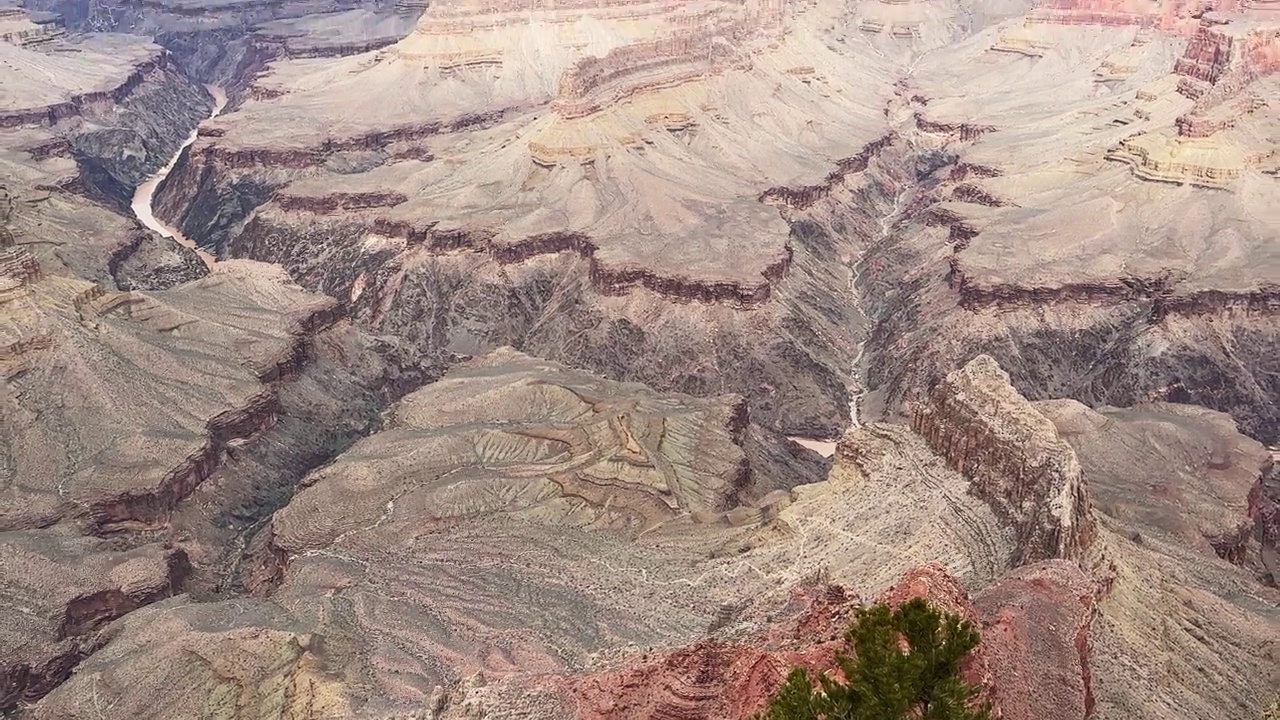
{"type": "Point", "coordinates": [146, 192]}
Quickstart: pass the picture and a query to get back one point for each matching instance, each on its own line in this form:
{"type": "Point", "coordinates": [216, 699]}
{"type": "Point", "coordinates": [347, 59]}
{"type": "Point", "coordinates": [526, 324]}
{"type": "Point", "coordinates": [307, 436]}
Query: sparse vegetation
{"type": "Point", "coordinates": [899, 663]}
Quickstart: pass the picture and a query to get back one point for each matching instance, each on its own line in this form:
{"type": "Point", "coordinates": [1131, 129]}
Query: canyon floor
{"type": "Point", "coordinates": [600, 359]}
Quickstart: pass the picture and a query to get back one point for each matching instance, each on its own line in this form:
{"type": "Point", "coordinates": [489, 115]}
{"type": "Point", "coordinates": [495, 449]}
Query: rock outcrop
{"type": "Point", "coordinates": [20, 27]}
{"type": "Point", "coordinates": [1169, 482]}
{"type": "Point", "coordinates": [61, 591]}
{"type": "Point", "coordinates": [1177, 16]}
{"type": "Point", "coordinates": [1012, 454]}
{"type": "Point", "coordinates": [1264, 514]}
{"type": "Point", "coordinates": [731, 678]}
{"type": "Point", "coordinates": [1035, 624]}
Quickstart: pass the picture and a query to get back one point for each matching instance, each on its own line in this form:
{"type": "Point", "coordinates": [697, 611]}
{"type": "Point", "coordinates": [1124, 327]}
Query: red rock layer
{"type": "Point", "coordinates": [1035, 637]}
{"type": "Point", "coordinates": [204, 159]}
{"type": "Point", "coordinates": [1215, 50]}
{"type": "Point", "coordinates": [1217, 67]}
{"type": "Point", "coordinates": [720, 679]}
{"type": "Point", "coordinates": [605, 279]}
{"type": "Point", "coordinates": [1032, 661]}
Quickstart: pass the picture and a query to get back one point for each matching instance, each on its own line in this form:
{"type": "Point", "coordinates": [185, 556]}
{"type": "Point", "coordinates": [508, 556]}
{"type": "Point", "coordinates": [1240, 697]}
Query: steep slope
{"type": "Point", "coordinates": [1065, 240]}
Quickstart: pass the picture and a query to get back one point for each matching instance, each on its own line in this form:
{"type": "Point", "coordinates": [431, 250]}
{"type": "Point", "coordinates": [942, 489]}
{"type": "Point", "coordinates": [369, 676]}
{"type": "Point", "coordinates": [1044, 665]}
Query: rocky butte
{"type": "Point", "coordinates": [498, 399]}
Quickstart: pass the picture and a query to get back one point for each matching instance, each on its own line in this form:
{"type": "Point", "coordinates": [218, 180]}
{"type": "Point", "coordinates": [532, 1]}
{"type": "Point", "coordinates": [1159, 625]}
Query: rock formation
{"type": "Point", "coordinates": [19, 27]}
{"type": "Point", "coordinates": [977, 421]}
{"type": "Point", "coordinates": [1264, 515]}
{"type": "Point", "coordinates": [503, 431]}
{"type": "Point", "coordinates": [1217, 140]}
{"type": "Point", "coordinates": [1168, 15]}
{"type": "Point", "coordinates": [1035, 625]}
{"type": "Point", "coordinates": [62, 591]}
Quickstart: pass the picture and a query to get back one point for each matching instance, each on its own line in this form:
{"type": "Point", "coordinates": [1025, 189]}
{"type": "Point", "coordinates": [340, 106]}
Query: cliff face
{"type": "Point", "coordinates": [1012, 454]}
{"type": "Point", "coordinates": [964, 268]}
{"type": "Point", "coordinates": [547, 294]}
{"type": "Point", "coordinates": [1035, 625]}
{"type": "Point", "coordinates": [69, 592]}
{"type": "Point", "coordinates": [1264, 515]}
{"type": "Point", "coordinates": [1221, 48]}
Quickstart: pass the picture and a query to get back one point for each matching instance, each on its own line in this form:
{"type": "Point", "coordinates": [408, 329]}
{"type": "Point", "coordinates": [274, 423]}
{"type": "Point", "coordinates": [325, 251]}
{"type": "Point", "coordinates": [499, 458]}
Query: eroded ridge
{"type": "Point", "coordinates": [1228, 70]}
{"type": "Point", "coordinates": [134, 454]}
{"type": "Point", "coordinates": [60, 594]}
{"type": "Point", "coordinates": [18, 27]}
{"type": "Point", "coordinates": [977, 421]}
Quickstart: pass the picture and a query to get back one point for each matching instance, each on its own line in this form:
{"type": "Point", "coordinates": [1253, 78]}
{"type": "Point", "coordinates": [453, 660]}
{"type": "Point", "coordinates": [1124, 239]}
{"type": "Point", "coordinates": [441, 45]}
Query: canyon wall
{"type": "Point", "coordinates": [703, 43]}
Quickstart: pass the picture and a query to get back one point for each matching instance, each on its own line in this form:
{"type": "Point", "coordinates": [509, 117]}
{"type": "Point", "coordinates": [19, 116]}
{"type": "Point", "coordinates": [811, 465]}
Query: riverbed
{"type": "Point", "coordinates": [146, 192]}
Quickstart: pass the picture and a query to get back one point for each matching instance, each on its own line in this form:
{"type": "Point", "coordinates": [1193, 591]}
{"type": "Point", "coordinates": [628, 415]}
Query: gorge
{"type": "Point", "coordinates": [145, 194]}
{"type": "Point", "coordinates": [598, 359]}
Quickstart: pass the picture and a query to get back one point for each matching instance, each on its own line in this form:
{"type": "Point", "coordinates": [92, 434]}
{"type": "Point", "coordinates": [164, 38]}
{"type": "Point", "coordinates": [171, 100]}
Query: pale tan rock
{"type": "Point", "coordinates": [1014, 457]}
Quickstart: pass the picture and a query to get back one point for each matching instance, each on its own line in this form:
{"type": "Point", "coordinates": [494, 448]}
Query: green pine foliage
{"type": "Point", "coordinates": [882, 679]}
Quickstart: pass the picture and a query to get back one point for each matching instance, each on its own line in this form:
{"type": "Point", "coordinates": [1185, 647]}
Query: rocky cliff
{"type": "Point", "coordinates": [1226, 43]}
{"type": "Point", "coordinates": [69, 590]}
{"type": "Point", "coordinates": [1012, 454]}
{"type": "Point", "coordinates": [728, 220]}
{"type": "Point", "coordinates": [1076, 320]}
{"type": "Point", "coordinates": [1264, 516]}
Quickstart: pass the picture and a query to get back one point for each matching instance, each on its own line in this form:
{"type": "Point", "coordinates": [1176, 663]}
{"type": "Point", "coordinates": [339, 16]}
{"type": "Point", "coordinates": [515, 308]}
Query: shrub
{"type": "Point", "coordinates": [905, 664]}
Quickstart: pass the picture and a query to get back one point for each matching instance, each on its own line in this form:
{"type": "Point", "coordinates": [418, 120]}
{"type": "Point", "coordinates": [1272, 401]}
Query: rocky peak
{"type": "Point", "coordinates": [1012, 454]}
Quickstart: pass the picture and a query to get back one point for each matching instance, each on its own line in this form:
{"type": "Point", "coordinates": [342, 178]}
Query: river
{"type": "Point", "coordinates": [146, 192]}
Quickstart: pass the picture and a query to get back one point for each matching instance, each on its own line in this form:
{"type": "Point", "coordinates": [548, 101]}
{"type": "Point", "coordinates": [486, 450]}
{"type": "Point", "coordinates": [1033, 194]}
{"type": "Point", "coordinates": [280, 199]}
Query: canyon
{"type": "Point", "coordinates": [599, 359]}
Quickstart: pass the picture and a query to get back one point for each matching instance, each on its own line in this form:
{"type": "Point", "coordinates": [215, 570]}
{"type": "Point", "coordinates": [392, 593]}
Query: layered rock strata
{"type": "Point", "coordinates": [977, 421]}
{"type": "Point", "coordinates": [141, 432]}
{"type": "Point", "coordinates": [1178, 16]}
{"type": "Point", "coordinates": [615, 131]}
{"type": "Point", "coordinates": [19, 27]}
{"type": "Point", "coordinates": [225, 43]}
{"type": "Point", "coordinates": [60, 591]}
{"type": "Point", "coordinates": [517, 537]}
{"type": "Point", "coordinates": [1108, 312]}
{"type": "Point", "coordinates": [511, 453]}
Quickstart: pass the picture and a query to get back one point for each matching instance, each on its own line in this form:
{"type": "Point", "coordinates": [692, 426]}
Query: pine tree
{"type": "Point", "coordinates": [882, 679]}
